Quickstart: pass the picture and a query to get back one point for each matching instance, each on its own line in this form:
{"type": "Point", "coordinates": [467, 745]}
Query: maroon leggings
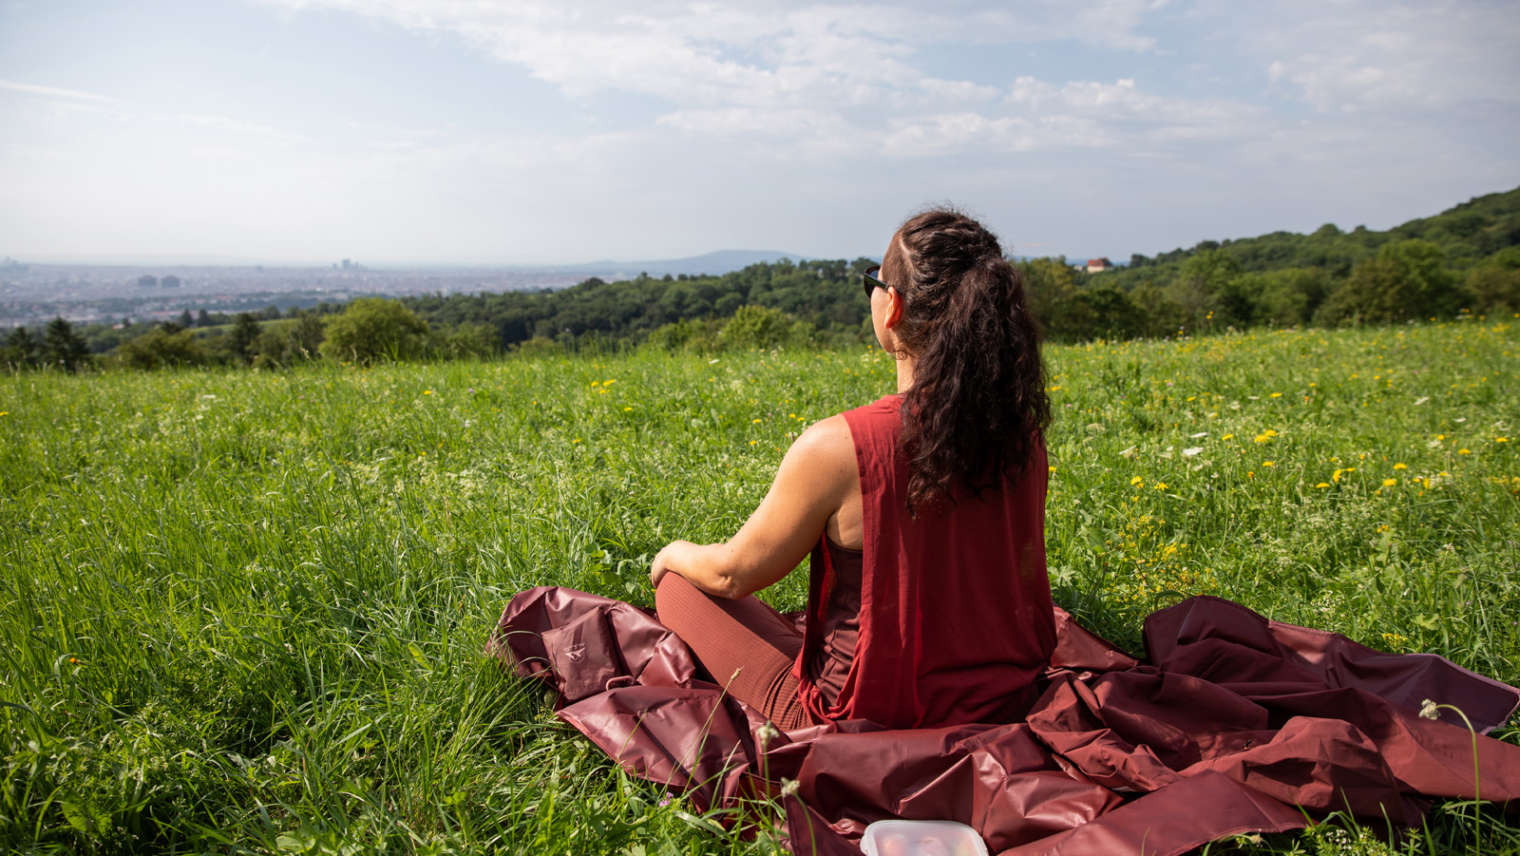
{"type": "Point", "coordinates": [747, 646]}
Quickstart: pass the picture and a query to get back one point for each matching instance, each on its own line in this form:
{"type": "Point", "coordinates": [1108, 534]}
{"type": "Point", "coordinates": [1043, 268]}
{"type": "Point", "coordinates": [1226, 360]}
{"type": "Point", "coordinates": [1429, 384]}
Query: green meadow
{"type": "Point", "coordinates": [245, 611]}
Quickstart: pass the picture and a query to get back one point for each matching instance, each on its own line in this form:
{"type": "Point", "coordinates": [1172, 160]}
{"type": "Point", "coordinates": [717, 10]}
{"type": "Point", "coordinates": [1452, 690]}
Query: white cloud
{"type": "Point", "coordinates": [957, 90]}
{"type": "Point", "coordinates": [831, 79]}
{"type": "Point", "coordinates": [1123, 99]}
{"type": "Point", "coordinates": [958, 132]}
{"type": "Point", "coordinates": [122, 111]}
{"type": "Point", "coordinates": [238, 127]}
{"type": "Point", "coordinates": [1126, 114]}
{"type": "Point", "coordinates": [54, 92]}
{"type": "Point", "coordinates": [785, 123]}
{"type": "Point", "coordinates": [1358, 56]}
{"type": "Point", "coordinates": [776, 53]}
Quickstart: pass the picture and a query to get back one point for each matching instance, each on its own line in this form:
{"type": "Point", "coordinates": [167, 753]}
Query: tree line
{"type": "Point", "coordinates": [1466, 259]}
{"type": "Point", "coordinates": [1463, 261]}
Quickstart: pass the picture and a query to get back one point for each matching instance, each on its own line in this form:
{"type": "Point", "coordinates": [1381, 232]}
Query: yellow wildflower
{"type": "Point", "coordinates": [1390, 482]}
{"type": "Point", "coordinates": [1228, 437]}
{"type": "Point", "coordinates": [1137, 481]}
{"type": "Point", "coordinates": [1401, 466]}
{"type": "Point", "coordinates": [1464, 451]}
{"type": "Point", "coordinates": [1269, 463]}
{"type": "Point", "coordinates": [1277, 395]}
{"type": "Point", "coordinates": [1322, 485]}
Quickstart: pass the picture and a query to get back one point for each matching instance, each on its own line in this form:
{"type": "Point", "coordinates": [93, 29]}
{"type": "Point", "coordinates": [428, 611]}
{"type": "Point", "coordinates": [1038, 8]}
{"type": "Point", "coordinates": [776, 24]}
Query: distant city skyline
{"type": "Point", "coordinates": [418, 132]}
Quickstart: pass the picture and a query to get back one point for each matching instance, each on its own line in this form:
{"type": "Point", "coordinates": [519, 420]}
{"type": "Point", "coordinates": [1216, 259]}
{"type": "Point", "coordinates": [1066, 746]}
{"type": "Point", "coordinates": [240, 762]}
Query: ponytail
{"type": "Point", "coordinates": [978, 407]}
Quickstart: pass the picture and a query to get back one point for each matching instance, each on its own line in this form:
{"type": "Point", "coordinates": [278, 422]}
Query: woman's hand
{"type": "Point", "coordinates": [815, 478]}
{"type": "Point", "coordinates": [663, 559]}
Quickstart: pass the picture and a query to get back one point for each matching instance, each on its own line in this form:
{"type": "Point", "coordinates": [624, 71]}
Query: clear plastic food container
{"type": "Point", "coordinates": [921, 838]}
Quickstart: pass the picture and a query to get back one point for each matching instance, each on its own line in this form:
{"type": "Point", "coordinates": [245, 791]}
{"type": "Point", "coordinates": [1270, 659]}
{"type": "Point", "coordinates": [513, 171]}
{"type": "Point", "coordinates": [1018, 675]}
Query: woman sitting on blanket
{"type": "Point", "coordinates": [928, 601]}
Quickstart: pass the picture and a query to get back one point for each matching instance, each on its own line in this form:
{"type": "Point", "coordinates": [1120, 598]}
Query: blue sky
{"type": "Point", "coordinates": [464, 131]}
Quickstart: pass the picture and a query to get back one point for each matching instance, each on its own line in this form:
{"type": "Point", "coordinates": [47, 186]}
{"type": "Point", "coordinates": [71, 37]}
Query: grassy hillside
{"type": "Point", "coordinates": [245, 610]}
{"type": "Point", "coordinates": [1466, 233]}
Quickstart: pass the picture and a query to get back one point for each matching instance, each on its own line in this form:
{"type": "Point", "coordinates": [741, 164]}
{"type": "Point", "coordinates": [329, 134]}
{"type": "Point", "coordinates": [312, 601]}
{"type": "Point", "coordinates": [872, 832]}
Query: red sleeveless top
{"type": "Point", "coordinates": [954, 613]}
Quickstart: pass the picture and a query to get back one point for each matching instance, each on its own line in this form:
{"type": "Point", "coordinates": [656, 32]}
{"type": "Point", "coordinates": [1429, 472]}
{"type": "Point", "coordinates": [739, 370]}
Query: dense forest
{"type": "Point", "coordinates": [1465, 260]}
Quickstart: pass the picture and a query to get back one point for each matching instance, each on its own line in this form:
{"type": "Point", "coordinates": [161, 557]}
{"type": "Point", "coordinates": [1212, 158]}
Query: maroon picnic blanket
{"type": "Point", "coordinates": [1233, 724]}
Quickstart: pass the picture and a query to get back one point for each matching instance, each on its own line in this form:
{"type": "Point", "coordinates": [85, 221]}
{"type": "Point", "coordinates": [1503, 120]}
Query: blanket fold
{"type": "Point", "coordinates": [1234, 724]}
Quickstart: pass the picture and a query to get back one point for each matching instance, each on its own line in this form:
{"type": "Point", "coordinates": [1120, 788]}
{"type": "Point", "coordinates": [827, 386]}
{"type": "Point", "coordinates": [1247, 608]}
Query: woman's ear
{"type": "Point", "coordinates": [894, 309]}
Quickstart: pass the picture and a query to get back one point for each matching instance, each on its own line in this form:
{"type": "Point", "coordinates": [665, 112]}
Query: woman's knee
{"type": "Point", "coordinates": [672, 598]}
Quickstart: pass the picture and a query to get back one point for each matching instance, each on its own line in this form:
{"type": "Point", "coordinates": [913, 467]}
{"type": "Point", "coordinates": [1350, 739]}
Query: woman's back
{"type": "Point", "coordinates": [955, 621]}
{"type": "Point", "coordinates": [944, 487]}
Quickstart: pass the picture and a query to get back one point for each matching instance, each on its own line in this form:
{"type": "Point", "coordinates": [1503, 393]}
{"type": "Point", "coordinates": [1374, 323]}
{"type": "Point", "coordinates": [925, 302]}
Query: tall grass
{"type": "Point", "coordinates": [245, 612]}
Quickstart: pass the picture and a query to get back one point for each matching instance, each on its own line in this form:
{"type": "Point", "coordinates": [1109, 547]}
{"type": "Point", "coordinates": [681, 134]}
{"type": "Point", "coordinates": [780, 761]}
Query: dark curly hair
{"type": "Point", "coordinates": [977, 408]}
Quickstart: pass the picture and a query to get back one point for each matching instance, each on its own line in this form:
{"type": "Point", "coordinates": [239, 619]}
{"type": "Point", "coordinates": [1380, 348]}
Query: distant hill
{"type": "Point", "coordinates": [1463, 262]}
{"type": "Point", "coordinates": [715, 263]}
{"type": "Point", "coordinates": [1464, 259]}
{"type": "Point", "coordinates": [1465, 233]}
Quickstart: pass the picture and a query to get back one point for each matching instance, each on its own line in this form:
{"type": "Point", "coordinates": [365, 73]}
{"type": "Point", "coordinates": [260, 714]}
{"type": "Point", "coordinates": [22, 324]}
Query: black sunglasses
{"type": "Point", "coordinates": [871, 280]}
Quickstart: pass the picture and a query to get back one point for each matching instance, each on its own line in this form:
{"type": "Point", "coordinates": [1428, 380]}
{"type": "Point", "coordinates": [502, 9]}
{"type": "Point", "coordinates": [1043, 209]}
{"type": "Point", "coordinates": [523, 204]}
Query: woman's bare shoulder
{"type": "Point", "coordinates": [823, 459]}
{"type": "Point", "coordinates": [828, 438]}
{"type": "Point", "coordinates": [834, 428]}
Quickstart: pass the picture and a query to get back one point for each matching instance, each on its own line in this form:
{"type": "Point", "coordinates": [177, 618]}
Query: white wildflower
{"type": "Point", "coordinates": [766, 733]}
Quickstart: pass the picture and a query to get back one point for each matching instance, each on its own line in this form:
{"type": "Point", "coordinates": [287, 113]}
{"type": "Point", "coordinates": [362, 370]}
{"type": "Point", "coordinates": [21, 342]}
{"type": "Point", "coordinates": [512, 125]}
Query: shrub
{"type": "Point", "coordinates": [760, 327]}
{"type": "Point", "coordinates": [373, 329]}
{"type": "Point", "coordinates": [162, 348]}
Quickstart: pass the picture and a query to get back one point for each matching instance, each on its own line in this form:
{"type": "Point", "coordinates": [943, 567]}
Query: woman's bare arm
{"type": "Point", "coordinates": [815, 478]}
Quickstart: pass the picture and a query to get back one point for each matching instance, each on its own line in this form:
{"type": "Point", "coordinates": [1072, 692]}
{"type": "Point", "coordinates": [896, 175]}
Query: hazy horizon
{"type": "Point", "coordinates": [214, 261]}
